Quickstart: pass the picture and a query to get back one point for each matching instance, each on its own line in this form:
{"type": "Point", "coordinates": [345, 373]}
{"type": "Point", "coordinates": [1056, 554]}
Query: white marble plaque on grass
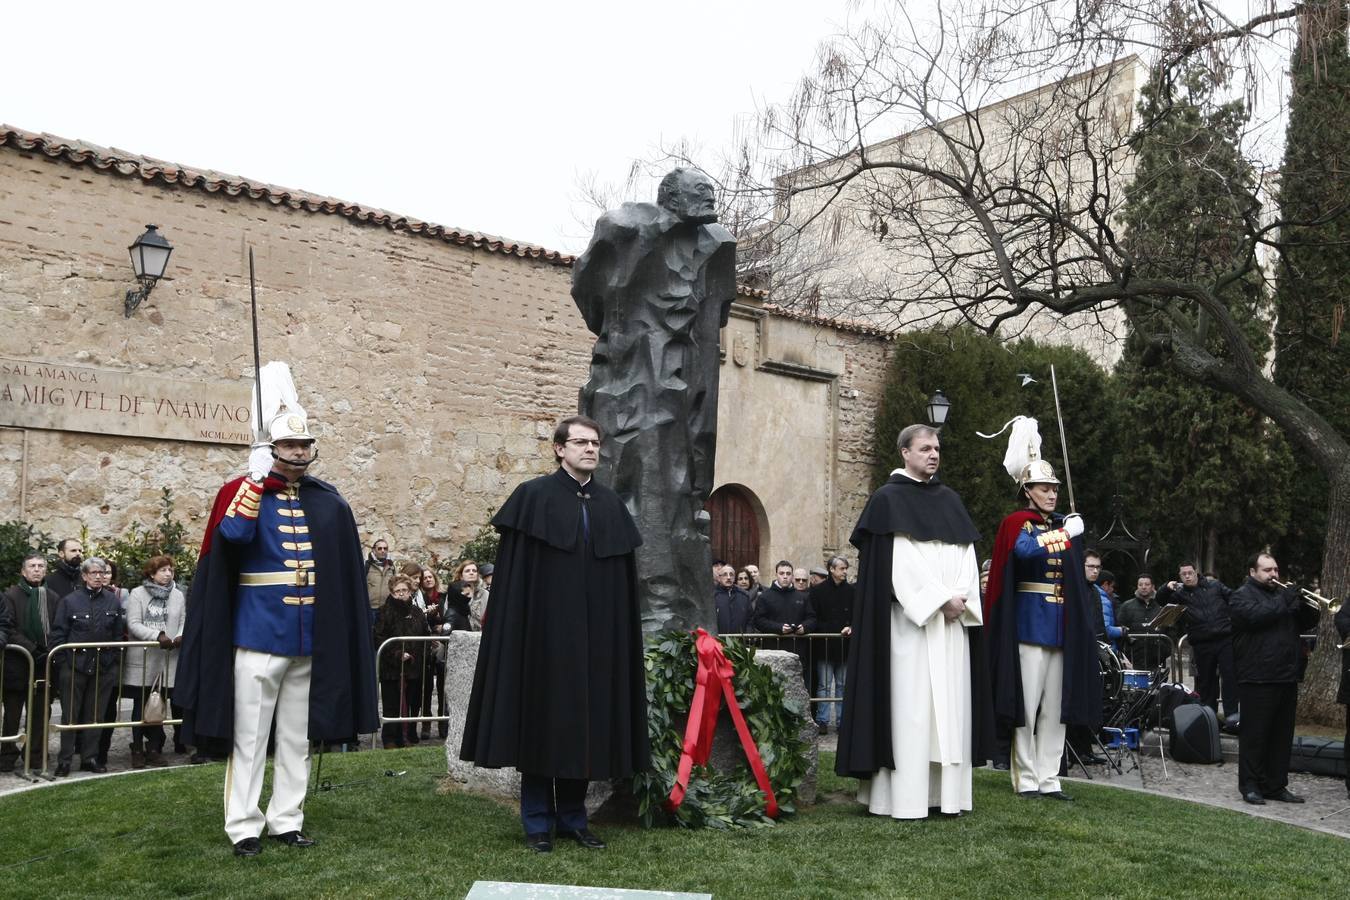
{"type": "Point", "coordinates": [509, 890]}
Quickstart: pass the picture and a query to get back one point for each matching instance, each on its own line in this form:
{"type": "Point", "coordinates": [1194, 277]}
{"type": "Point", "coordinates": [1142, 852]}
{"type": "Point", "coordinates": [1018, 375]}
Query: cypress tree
{"type": "Point", "coordinates": [1312, 350]}
{"type": "Point", "coordinates": [1195, 464]}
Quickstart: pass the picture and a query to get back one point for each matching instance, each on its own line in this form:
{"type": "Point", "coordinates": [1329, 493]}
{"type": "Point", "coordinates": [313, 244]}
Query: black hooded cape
{"type": "Point", "coordinates": [928, 511]}
{"type": "Point", "coordinates": [560, 688]}
{"type": "Point", "coordinates": [342, 681]}
{"type": "Point", "coordinates": [1081, 694]}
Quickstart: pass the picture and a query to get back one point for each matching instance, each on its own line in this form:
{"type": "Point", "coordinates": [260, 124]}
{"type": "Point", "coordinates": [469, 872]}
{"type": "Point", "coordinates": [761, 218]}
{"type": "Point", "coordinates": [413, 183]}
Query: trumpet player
{"type": "Point", "coordinates": [1268, 655]}
{"type": "Point", "coordinates": [1342, 621]}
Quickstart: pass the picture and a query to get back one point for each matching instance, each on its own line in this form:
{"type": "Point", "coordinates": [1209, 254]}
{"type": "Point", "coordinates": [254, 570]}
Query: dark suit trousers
{"type": "Point", "coordinates": [548, 802]}
{"type": "Point", "coordinates": [1266, 737]}
{"type": "Point", "coordinates": [1215, 673]}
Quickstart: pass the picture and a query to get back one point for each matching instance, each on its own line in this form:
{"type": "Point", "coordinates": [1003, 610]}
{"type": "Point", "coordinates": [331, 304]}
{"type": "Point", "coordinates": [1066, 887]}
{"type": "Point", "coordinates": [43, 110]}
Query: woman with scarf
{"type": "Point", "coordinates": [155, 612]}
{"type": "Point", "coordinates": [433, 600]}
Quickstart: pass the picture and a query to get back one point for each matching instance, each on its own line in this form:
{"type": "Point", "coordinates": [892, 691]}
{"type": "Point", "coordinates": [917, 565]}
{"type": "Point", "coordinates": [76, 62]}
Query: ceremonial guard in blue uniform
{"type": "Point", "coordinates": [1043, 646]}
{"type": "Point", "coordinates": [281, 575]}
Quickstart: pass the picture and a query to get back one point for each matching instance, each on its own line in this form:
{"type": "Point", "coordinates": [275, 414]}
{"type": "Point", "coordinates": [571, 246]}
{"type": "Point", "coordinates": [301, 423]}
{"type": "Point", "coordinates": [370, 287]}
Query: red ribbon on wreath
{"type": "Point", "coordinates": [712, 682]}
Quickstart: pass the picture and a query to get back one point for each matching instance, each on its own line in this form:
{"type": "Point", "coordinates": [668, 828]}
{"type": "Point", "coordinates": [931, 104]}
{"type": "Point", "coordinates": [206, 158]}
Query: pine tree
{"type": "Point", "coordinates": [1195, 464]}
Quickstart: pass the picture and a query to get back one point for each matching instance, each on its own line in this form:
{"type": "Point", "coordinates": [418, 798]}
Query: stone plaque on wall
{"type": "Point", "coordinates": [37, 394]}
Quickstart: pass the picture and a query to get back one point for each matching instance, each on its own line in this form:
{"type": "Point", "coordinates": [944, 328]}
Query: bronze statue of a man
{"type": "Point", "coordinates": [655, 286]}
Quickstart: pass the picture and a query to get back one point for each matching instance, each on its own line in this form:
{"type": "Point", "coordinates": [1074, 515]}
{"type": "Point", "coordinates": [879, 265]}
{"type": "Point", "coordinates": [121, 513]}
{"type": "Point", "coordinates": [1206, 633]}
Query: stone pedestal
{"type": "Point", "coordinates": [462, 656]}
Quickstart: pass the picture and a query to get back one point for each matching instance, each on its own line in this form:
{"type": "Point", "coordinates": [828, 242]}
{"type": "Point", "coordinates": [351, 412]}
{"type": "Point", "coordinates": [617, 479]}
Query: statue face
{"type": "Point", "coordinates": [692, 199]}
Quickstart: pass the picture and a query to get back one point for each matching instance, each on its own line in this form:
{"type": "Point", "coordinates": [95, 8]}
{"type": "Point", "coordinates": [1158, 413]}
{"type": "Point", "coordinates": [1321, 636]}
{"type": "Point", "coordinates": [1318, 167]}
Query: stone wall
{"type": "Point", "coordinates": [432, 372]}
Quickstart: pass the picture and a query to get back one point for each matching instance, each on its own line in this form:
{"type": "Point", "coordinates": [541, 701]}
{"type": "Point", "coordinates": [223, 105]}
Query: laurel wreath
{"type": "Point", "coordinates": [717, 799]}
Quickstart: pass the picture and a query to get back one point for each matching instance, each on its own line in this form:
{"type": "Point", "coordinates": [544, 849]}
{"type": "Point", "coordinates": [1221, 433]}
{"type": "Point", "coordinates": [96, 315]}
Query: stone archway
{"type": "Point", "coordinates": [738, 531]}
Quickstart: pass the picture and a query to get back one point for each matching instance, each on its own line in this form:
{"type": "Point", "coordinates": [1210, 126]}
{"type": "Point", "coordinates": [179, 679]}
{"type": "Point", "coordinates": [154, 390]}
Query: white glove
{"type": "Point", "coordinates": [259, 462]}
{"type": "Point", "coordinates": [1073, 524]}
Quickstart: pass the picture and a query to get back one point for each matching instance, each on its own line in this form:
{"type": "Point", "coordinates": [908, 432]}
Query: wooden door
{"type": "Point", "coordinates": [735, 529]}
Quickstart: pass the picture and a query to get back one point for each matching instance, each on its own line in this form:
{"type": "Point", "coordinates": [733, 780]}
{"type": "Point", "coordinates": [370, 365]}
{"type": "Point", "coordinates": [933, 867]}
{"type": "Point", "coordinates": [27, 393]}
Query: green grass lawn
{"type": "Point", "coordinates": [159, 834]}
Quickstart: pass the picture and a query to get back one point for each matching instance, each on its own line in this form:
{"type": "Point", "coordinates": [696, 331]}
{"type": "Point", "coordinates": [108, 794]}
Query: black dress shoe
{"type": "Point", "coordinates": [1094, 759]}
{"type": "Point", "coordinates": [540, 842]}
{"type": "Point", "coordinates": [292, 839]}
{"type": "Point", "coordinates": [1254, 798]}
{"type": "Point", "coordinates": [1028, 795]}
{"type": "Point", "coordinates": [1000, 766]}
{"type": "Point", "coordinates": [62, 770]}
{"type": "Point", "coordinates": [96, 767]}
{"type": "Point", "coordinates": [248, 847]}
{"type": "Point", "coordinates": [585, 837]}
{"type": "Point", "coordinates": [1057, 795]}
{"type": "Point", "coordinates": [1284, 795]}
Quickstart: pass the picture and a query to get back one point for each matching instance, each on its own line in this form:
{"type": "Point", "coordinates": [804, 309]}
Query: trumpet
{"type": "Point", "coordinates": [1312, 598]}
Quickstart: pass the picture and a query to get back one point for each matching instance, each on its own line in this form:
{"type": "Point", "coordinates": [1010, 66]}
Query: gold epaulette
{"type": "Point", "coordinates": [245, 502]}
{"type": "Point", "coordinates": [1055, 541]}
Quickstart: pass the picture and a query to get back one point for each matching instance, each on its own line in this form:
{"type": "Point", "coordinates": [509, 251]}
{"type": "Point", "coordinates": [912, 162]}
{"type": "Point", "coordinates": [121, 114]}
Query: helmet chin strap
{"type": "Point", "coordinates": [298, 465]}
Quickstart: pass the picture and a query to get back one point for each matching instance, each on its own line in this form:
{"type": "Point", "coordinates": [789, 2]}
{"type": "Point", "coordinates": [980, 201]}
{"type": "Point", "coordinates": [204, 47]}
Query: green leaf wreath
{"type": "Point", "coordinates": [717, 799]}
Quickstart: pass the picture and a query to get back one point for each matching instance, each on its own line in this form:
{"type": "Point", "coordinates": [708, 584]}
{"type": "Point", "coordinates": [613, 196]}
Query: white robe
{"type": "Point", "coordinates": [930, 682]}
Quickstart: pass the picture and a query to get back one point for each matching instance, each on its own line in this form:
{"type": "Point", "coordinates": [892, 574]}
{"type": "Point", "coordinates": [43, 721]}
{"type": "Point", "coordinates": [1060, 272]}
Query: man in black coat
{"type": "Point", "coordinates": [87, 678]}
{"type": "Point", "coordinates": [1135, 614]}
{"type": "Point", "coordinates": [832, 600]}
{"type": "Point", "coordinates": [559, 691]}
{"type": "Point", "coordinates": [1343, 695]}
{"type": "Point", "coordinates": [732, 603]}
{"type": "Point", "coordinates": [29, 613]}
{"type": "Point", "coordinates": [64, 573]}
{"type": "Point", "coordinates": [1209, 630]}
{"type": "Point", "coordinates": [1268, 655]}
{"type": "Point", "coordinates": [784, 610]}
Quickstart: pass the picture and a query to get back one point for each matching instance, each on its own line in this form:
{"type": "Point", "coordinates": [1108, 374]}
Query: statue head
{"type": "Point", "coordinates": [688, 193]}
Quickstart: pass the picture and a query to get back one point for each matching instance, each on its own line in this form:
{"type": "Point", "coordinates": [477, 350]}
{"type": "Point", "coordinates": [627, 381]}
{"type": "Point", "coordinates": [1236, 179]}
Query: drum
{"type": "Point", "coordinates": [1109, 664]}
{"type": "Point", "coordinates": [1134, 679]}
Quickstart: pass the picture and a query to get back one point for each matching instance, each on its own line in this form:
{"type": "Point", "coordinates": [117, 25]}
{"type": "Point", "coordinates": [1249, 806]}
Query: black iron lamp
{"type": "Point", "coordinates": [149, 258]}
{"type": "Point", "coordinates": [938, 407]}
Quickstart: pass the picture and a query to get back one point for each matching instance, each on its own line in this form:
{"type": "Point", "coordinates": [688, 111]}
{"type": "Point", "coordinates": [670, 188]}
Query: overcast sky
{"type": "Point", "coordinates": [483, 116]}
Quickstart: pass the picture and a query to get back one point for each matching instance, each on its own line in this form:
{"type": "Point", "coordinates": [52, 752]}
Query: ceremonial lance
{"type": "Point", "coordinates": [1063, 444]}
{"type": "Point", "coordinates": [257, 358]}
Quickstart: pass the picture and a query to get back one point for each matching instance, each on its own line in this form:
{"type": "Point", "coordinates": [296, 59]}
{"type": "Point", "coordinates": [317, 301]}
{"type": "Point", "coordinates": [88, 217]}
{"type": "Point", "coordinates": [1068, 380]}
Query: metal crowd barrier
{"type": "Point", "coordinates": [22, 735]}
{"type": "Point", "coordinates": [810, 647]}
{"type": "Point", "coordinates": [97, 647]}
{"type": "Point", "coordinates": [426, 672]}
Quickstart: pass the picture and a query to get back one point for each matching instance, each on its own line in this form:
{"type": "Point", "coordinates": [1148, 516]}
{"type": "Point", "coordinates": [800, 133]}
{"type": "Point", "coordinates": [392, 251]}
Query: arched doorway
{"type": "Point", "coordinates": [735, 525]}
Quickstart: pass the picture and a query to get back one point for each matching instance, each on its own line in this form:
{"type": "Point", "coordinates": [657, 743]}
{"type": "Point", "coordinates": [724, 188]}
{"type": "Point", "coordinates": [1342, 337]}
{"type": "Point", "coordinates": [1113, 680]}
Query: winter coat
{"type": "Point", "coordinates": [1267, 622]}
{"type": "Point", "coordinates": [1207, 617]}
{"type": "Point", "coordinates": [401, 620]}
{"type": "Point", "coordinates": [145, 664]}
{"type": "Point", "coordinates": [85, 618]}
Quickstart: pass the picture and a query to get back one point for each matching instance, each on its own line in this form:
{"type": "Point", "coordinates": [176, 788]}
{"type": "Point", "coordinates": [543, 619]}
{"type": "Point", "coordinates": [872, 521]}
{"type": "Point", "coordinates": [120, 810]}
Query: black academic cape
{"type": "Point", "coordinates": [559, 689]}
{"type": "Point", "coordinates": [1081, 692]}
{"type": "Point", "coordinates": [928, 511]}
{"type": "Point", "coordinates": [342, 700]}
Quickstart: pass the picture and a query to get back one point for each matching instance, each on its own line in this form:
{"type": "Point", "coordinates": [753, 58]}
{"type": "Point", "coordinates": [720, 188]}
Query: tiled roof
{"type": "Point", "coordinates": [132, 165]}
{"type": "Point", "coordinates": [147, 169]}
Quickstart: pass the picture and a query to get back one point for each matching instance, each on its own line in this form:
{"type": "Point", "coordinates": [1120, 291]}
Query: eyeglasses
{"type": "Point", "coordinates": [581, 442]}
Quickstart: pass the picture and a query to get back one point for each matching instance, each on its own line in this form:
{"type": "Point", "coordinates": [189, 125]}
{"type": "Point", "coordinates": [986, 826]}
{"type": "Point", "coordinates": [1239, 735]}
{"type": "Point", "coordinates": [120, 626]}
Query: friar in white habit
{"type": "Point", "coordinates": [917, 716]}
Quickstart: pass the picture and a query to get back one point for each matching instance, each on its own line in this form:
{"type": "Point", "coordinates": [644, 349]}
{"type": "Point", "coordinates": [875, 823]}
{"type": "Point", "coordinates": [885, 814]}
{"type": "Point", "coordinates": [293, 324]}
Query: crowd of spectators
{"type": "Point", "coordinates": [76, 599]}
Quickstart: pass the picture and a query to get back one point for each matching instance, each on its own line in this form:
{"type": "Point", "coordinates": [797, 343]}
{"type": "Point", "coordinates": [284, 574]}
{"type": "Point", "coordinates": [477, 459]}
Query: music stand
{"type": "Point", "coordinates": [1168, 616]}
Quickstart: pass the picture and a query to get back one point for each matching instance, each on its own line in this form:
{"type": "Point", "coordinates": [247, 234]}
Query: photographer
{"type": "Point", "coordinates": [1209, 629]}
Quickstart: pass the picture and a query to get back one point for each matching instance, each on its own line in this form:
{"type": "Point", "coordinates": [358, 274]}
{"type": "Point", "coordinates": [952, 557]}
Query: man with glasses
{"type": "Point", "coordinates": [559, 692]}
{"type": "Point", "coordinates": [86, 678]}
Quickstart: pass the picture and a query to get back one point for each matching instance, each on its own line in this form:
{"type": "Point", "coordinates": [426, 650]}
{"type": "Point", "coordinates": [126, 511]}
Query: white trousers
{"type": "Point", "coordinates": [1038, 745]}
{"type": "Point", "coordinates": [264, 683]}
